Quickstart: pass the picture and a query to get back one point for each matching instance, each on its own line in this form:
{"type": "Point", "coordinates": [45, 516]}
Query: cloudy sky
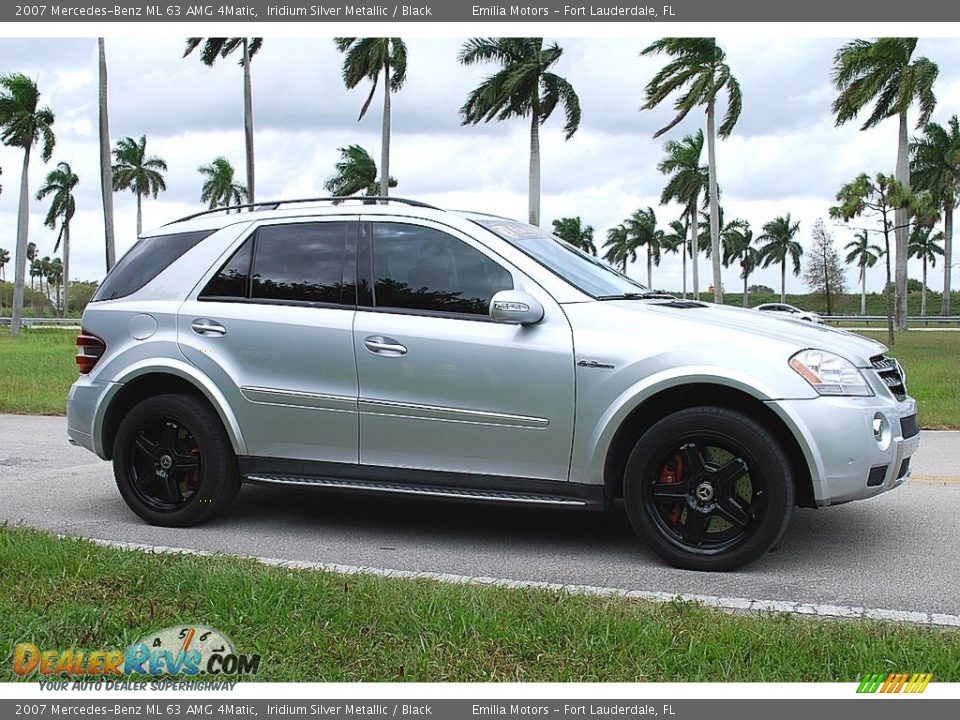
{"type": "Point", "coordinates": [785, 154]}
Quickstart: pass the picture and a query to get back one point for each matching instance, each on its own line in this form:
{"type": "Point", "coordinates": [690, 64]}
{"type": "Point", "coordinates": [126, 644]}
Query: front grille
{"type": "Point", "coordinates": [891, 374]}
{"type": "Point", "coordinates": [909, 426]}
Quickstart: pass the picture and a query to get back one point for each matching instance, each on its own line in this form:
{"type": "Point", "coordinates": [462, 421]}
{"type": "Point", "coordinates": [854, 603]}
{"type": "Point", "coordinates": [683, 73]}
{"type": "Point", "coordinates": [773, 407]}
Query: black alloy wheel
{"type": "Point", "coordinates": [173, 461]}
{"type": "Point", "coordinates": [709, 488]}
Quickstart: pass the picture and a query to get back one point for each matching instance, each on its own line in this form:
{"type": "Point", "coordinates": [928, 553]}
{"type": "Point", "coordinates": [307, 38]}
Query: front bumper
{"type": "Point", "coordinates": [836, 435]}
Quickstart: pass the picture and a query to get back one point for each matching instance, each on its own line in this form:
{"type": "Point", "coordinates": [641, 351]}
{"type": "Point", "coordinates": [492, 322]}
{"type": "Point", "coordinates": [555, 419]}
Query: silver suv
{"type": "Point", "coordinates": [399, 348]}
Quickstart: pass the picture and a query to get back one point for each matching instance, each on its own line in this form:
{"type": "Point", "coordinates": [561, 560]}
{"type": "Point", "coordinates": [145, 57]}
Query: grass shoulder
{"type": "Point", "coordinates": [321, 626]}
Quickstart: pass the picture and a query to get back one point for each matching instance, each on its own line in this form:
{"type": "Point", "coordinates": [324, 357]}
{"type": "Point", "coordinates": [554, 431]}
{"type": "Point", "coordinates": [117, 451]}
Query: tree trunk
{"type": "Point", "coordinates": [783, 281]}
{"type": "Point", "coordinates": [106, 171]}
{"type": "Point", "coordinates": [886, 289]}
{"type": "Point", "coordinates": [863, 289]}
{"type": "Point", "coordinates": [746, 279]}
{"type": "Point", "coordinates": [714, 201]}
{"type": "Point", "coordinates": [139, 215]}
{"type": "Point", "coordinates": [534, 183]}
{"type": "Point", "coordinates": [649, 268]}
{"type": "Point", "coordinates": [65, 308]}
{"type": "Point", "coordinates": [923, 290]}
{"type": "Point", "coordinates": [23, 223]}
{"type": "Point", "coordinates": [385, 134]}
{"type": "Point", "coordinates": [694, 249]}
{"type": "Point", "coordinates": [248, 120]}
{"type": "Point", "coordinates": [826, 280]}
{"type": "Point", "coordinates": [684, 250]}
{"type": "Point", "coordinates": [901, 218]}
{"type": "Point", "coordinates": [947, 257]}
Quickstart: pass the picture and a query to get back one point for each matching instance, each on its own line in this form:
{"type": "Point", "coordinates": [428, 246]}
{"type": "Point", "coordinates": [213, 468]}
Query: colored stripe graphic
{"type": "Point", "coordinates": [894, 682]}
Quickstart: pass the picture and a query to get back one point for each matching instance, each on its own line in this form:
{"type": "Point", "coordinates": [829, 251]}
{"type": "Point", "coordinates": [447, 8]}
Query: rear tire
{"type": "Point", "coordinates": [173, 462]}
{"type": "Point", "coordinates": [708, 488]}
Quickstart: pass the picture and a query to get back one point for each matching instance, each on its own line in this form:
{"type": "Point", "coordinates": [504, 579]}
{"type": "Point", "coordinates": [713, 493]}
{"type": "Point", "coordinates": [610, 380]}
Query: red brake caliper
{"type": "Point", "coordinates": [672, 472]}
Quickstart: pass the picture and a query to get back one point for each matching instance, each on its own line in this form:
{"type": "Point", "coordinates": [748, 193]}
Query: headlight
{"type": "Point", "coordinates": [830, 374]}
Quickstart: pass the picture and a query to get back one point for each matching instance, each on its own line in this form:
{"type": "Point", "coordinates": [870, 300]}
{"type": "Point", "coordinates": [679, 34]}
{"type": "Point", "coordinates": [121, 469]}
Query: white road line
{"type": "Point", "coordinates": [722, 603]}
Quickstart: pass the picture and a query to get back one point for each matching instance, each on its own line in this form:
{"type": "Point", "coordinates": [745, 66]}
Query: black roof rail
{"type": "Point", "coordinates": [274, 204]}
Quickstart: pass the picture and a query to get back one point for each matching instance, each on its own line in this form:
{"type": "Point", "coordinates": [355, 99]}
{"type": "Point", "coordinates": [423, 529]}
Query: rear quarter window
{"type": "Point", "coordinates": [144, 261]}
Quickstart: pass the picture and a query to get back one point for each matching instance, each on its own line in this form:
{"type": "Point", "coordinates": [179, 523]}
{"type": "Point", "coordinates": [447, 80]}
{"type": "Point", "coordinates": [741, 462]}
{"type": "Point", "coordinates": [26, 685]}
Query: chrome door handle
{"type": "Point", "coordinates": [207, 327]}
{"type": "Point", "coordinates": [384, 346]}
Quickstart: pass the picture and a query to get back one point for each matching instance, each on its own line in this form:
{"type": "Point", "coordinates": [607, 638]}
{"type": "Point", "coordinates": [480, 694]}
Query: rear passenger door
{"type": "Point", "coordinates": [272, 326]}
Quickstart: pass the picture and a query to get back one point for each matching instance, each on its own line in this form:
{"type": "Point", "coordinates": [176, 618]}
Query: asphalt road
{"type": "Point", "coordinates": [900, 551]}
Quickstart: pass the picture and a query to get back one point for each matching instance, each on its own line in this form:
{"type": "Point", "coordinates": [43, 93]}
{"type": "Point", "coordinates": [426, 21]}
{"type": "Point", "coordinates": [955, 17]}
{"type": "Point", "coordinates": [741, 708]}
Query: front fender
{"type": "Point", "coordinates": [184, 371]}
{"type": "Point", "coordinates": [599, 437]}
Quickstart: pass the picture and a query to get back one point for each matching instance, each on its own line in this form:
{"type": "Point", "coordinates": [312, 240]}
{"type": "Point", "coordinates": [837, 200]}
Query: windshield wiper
{"type": "Point", "coordinates": [646, 295]}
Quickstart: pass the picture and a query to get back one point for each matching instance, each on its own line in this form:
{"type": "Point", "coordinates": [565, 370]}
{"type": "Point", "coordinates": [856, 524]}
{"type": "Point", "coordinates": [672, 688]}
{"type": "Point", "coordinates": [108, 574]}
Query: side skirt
{"type": "Point", "coordinates": [425, 483]}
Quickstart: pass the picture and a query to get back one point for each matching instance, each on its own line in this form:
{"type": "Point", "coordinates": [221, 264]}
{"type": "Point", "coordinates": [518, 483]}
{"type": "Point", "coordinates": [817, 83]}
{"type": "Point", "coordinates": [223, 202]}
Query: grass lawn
{"type": "Point", "coordinates": [318, 626]}
{"type": "Point", "coordinates": [932, 364]}
{"type": "Point", "coordinates": [37, 369]}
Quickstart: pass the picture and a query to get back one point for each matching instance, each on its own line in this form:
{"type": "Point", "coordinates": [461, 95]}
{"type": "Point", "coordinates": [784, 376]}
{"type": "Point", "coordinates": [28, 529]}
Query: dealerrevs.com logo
{"type": "Point", "coordinates": [180, 650]}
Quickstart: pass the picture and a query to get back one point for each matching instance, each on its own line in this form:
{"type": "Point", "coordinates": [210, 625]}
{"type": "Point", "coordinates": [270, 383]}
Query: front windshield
{"type": "Point", "coordinates": [581, 270]}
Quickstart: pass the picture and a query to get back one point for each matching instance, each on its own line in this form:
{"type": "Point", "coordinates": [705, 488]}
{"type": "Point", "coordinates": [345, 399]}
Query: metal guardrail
{"type": "Point", "coordinates": [43, 322]}
{"type": "Point", "coordinates": [913, 321]}
{"type": "Point", "coordinates": [917, 320]}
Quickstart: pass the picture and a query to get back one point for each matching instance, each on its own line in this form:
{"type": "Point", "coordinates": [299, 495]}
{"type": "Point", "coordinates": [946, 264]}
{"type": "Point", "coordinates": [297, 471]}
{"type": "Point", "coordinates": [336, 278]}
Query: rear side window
{"type": "Point", "coordinates": [144, 261]}
{"type": "Point", "coordinates": [233, 280]}
{"type": "Point", "coordinates": [292, 263]}
{"type": "Point", "coordinates": [420, 268]}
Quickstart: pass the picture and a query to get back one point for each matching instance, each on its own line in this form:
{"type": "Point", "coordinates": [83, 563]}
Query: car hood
{"type": "Point", "coordinates": [738, 324]}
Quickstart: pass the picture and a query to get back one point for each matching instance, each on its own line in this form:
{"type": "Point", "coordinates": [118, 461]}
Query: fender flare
{"type": "Point", "coordinates": [603, 433]}
{"type": "Point", "coordinates": [184, 371]}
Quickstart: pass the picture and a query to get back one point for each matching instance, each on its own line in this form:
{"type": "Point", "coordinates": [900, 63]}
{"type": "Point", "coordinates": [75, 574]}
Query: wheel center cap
{"type": "Point", "coordinates": [704, 492]}
{"type": "Point", "coordinates": [166, 462]}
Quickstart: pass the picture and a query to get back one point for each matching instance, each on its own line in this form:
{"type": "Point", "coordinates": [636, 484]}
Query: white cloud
{"type": "Point", "coordinates": [784, 156]}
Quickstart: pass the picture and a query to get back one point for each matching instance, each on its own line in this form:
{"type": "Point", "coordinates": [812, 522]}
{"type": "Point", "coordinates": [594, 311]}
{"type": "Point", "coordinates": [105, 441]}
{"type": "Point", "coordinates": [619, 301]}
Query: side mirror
{"type": "Point", "coordinates": [515, 307]}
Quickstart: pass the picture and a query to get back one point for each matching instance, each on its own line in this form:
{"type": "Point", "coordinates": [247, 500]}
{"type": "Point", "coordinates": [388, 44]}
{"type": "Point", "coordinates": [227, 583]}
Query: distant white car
{"type": "Point", "coordinates": [789, 311]}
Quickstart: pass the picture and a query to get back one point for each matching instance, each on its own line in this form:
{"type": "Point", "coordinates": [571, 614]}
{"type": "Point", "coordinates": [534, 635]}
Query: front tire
{"type": "Point", "coordinates": [708, 488]}
{"type": "Point", "coordinates": [173, 462]}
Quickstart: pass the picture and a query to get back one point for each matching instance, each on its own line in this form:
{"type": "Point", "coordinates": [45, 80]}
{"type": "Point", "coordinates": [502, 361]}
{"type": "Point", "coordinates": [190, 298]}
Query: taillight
{"type": "Point", "coordinates": [89, 349]}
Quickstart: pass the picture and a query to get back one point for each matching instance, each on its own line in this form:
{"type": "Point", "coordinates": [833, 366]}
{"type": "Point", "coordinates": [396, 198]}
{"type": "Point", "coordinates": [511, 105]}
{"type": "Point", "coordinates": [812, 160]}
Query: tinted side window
{"type": "Point", "coordinates": [233, 280]}
{"type": "Point", "coordinates": [300, 262]}
{"type": "Point", "coordinates": [423, 269]}
{"type": "Point", "coordinates": [144, 261]}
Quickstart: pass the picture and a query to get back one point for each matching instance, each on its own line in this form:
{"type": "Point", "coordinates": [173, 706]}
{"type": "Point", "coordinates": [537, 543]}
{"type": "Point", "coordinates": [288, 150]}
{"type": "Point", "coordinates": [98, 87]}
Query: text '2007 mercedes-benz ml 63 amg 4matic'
{"type": "Point", "coordinates": [399, 348]}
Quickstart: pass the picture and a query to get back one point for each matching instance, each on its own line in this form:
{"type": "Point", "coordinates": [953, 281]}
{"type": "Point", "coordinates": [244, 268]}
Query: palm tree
{"type": "Point", "coordinates": [106, 169]}
{"type": "Point", "coordinates": [936, 169]}
{"type": "Point", "coordinates": [133, 170]}
{"type": "Point", "coordinates": [524, 86]}
{"type": "Point", "coordinates": [36, 272]}
{"type": "Point", "coordinates": [675, 241]}
{"type": "Point", "coordinates": [576, 233]}
{"type": "Point", "coordinates": [219, 189]}
{"type": "Point", "coordinates": [925, 246]}
{"type": "Point", "coordinates": [698, 65]}
{"type": "Point", "coordinates": [865, 256]}
{"type": "Point", "coordinates": [780, 246]}
{"type": "Point", "coordinates": [620, 247]}
{"type": "Point", "coordinates": [356, 173]}
{"type": "Point", "coordinates": [31, 257]}
{"type": "Point", "coordinates": [642, 226]}
{"type": "Point", "coordinates": [4, 259]}
{"type": "Point", "coordinates": [880, 72]}
{"type": "Point", "coordinates": [366, 59]}
{"type": "Point", "coordinates": [23, 123]}
{"type": "Point", "coordinates": [60, 183]}
{"type": "Point", "coordinates": [687, 179]}
{"type": "Point", "coordinates": [56, 276]}
{"type": "Point", "coordinates": [738, 247]}
{"type": "Point", "coordinates": [214, 48]}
